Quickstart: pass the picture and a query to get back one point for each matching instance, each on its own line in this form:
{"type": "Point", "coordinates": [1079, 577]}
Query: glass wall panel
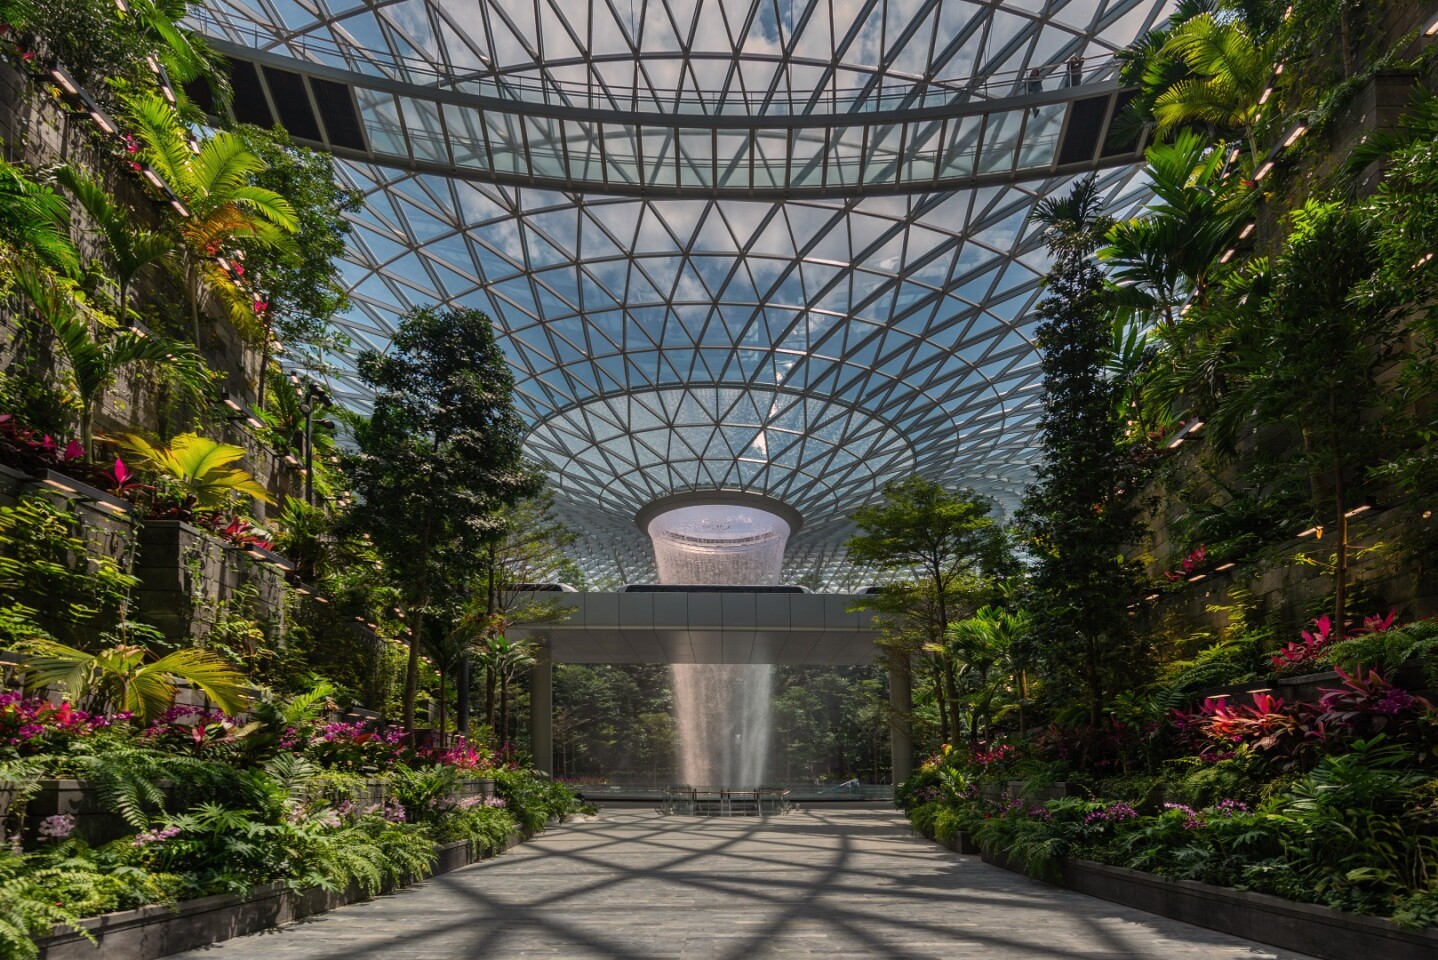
{"type": "Point", "coordinates": [466, 137]}
{"type": "Point", "coordinates": [506, 144]}
{"type": "Point", "coordinates": [734, 153]}
{"type": "Point", "coordinates": [885, 146]}
{"type": "Point", "coordinates": [582, 139]}
{"type": "Point", "coordinates": [381, 122]}
{"type": "Point", "coordinates": [846, 156]}
{"type": "Point", "coordinates": [1001, 140]}
{"type": "Point", "coordinates": [922, 153]}
{"type": "Point", "coordinates": [807, 165]}
{"type": "Point", "coordinates": [696, 157]}
{"type": "Point", "coordinates": [771, 159]}
{"type": "Point", "coordinates": [426, 134]}
{"type": "Point", "coordinates": [961, 142]}
{"type": "Point", "coordinates": [621, 164]}
{"type": "Point", "coordinates": [660, 168]}
{"type": "Point", "coordinates": [1041, 137]}
{"type": "Point", "coordinates": [546, 148]}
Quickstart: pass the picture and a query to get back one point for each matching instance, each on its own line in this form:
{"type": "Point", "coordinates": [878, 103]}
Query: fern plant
{"type": "Point", "coordinates": [28, 908]}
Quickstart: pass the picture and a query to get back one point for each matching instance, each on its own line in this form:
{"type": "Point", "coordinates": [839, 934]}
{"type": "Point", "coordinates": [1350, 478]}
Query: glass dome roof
{"type": "Point", "coordinates": [808, 350]}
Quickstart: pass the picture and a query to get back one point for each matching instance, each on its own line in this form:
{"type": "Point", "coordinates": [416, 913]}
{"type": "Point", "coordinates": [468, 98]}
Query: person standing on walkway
{"type": "Point", "coordinates": [1075, 71]}
{"type": "Point", "coordinates": [1034, 84]}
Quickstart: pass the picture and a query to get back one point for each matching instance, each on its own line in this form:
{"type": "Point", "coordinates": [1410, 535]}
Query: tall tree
{"type": "Point", "coordinates": [526, 547]}
{"type": "Point", "coordinates": [506, 658]}
{"type": "Point", "coordinates": [1305, 348]}
{"type": "Point", "coordinates": [940, 546]}
{"type": "Point", "coordinates": [439, 458]}
{"type": "Point", "coordinates": [301, 286]}
{"type": "Point", "coordinates": [1078, 515]}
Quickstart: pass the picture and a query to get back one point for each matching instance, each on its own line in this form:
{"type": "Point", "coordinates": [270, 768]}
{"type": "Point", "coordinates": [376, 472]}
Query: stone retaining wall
{"type": "Point", "coordinates": [158, 931]}
{"type": "Point", "coordinates": [1302, 927]}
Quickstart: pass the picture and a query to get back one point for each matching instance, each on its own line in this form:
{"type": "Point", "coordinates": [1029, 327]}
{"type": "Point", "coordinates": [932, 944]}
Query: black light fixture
{"type": "Point", "coordinates": [176, 202]}
{"type": "Point", "coordinates": [1188, 430]}
{"type": "Point", "coordinates": [1369, 503]}
{"type": "Point", "coordinates": [62, 76]}
{"type": "Point", "coordinates": [239, 412]}
{"type": "Point", "coordinates": [310, 394]}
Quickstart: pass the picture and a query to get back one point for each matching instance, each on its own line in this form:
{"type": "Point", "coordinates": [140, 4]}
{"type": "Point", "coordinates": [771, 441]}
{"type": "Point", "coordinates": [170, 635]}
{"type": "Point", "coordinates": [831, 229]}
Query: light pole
{"type": "Point", "coordinates": [313, 393]}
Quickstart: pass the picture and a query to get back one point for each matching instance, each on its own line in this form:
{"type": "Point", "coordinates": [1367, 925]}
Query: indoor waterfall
{"type": "Point", "coordinates": [724, 712]}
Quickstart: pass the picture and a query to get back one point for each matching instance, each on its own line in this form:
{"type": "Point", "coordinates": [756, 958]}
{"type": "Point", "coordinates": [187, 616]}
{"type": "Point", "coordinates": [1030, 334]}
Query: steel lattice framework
{"type": "Point", "coordinates": [665, 341]}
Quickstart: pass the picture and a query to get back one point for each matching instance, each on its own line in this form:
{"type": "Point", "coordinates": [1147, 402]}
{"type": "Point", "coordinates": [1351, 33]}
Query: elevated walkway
{"type": "Point", "coordinates": [705, 627]}
{"type": "Point", "coordinates": [988, 131]}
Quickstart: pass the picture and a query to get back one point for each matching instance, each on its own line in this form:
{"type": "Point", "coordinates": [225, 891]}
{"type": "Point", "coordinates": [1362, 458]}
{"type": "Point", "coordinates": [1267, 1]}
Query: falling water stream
{"type": "Point", "coordinates": [723, 711]}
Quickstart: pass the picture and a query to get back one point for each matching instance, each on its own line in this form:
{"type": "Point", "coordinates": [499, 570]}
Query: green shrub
{"type": "Point", "coordinates": [533, 799]}
{"type": "Point", "coordinates": [486, 828]}
{"type": "Point", "coordinates": [1388, 650]}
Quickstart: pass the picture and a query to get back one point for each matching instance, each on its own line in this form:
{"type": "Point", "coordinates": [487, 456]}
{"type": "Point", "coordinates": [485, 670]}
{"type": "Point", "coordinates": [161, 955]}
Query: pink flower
{"type": "Point", "coordinates": [58, 827]}
{"type": "Point", "coordinates": [159, 835]}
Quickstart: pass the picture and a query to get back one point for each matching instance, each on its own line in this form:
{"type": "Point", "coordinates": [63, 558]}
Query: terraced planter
{"type": "Point", "coordinates": [94, 821]}
{"type": "Point", "coordinates": [186, 574]}
{"type": "Point", "coordinates": [158, 931]}
{"type": "Point", "coordinates": [960, 842]}
{"type": "Point", "coordinates": [1302, 927]}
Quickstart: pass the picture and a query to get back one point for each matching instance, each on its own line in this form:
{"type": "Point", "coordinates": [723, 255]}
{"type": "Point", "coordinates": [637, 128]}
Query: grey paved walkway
{"type": "Point", "coordinates": [824, 883]}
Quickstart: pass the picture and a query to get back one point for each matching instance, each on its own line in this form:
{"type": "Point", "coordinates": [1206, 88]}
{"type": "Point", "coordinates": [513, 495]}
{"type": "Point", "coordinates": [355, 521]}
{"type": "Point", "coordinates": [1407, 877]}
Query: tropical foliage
{"type": "Point", "coordinates": [1240, 375]}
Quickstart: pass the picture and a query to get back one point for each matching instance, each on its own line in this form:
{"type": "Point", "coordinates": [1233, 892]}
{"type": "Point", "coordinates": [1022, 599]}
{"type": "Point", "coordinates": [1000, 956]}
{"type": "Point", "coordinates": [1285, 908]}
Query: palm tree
{"type": "Point", "coordinates": [131, 247]}
{"type": "Point", "coordinates": [184, 53]}
{"type": "Point", "coordinates": [988, 645]}
{"type": "Point", "coordinates": [95, 361]}
{"type": "Point", "coordinates": [123, 678]}
{"type": "Point", "coordinates": [224, 207]}
{"type": "Point", "coordinates": [447, 649]}
{"type": "Point", "coordinates": [506, 658]}
{"type": "Point", "coordinates": [1229, 70]}
{"type": "Point", "coordinates": [1163, 256]}
{"type": "Point", "coordinates": [1074, 223]}
{"type": "Point", "coordinates": [199, 470]}
{"type": "Point", "coordinates": [35, 220]}
{"type": "Point", "coordinates": [1146, 65]}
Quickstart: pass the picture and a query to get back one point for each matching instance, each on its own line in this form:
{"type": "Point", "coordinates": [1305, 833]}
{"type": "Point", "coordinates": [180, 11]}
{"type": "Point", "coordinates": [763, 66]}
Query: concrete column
{"type": "Point", "coordinates": [901, 717]}
{"type": "Point", "coordinates": [541, 708]}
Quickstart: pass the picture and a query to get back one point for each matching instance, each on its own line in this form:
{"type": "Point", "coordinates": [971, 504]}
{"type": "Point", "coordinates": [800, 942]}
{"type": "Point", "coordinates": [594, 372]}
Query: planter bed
{"type": "Point", "coordinates": [960, 843]}
{"type": "Point", "coordinates": [1303, 927]}
{"type": "Point", "coordinates": [157, 931]}
{"type": "Point", "coordinates": [97, 824]}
